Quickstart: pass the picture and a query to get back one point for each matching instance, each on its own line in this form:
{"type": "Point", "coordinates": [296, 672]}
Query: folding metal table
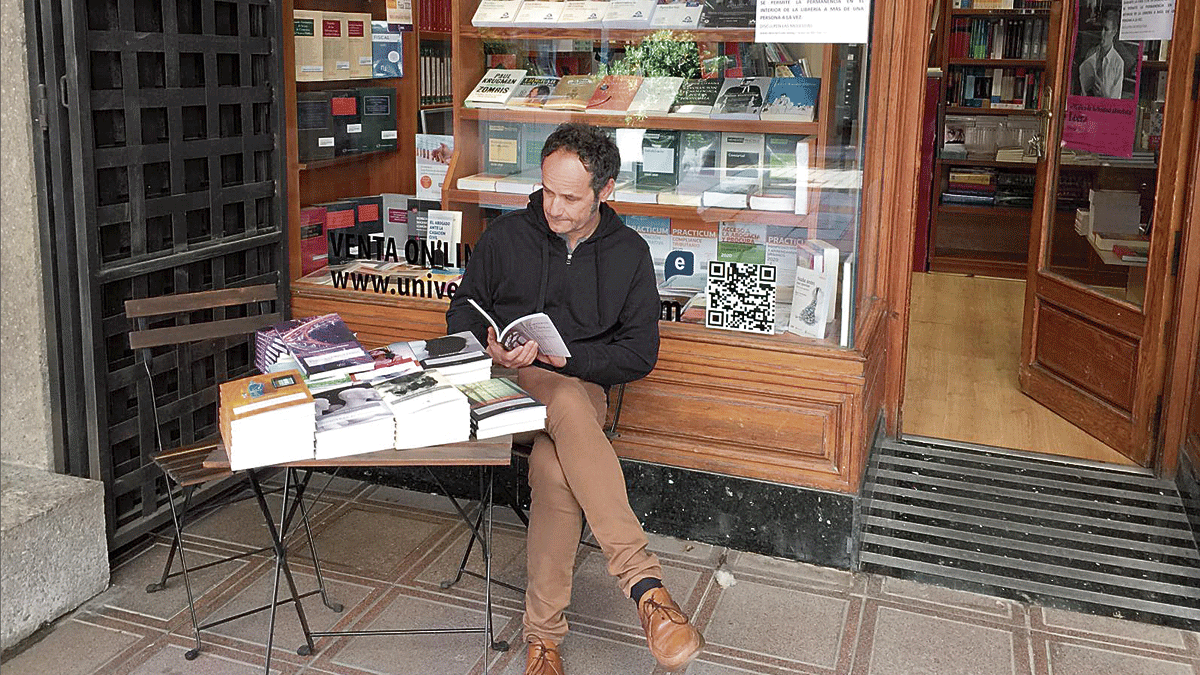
{"type": "Point", "coordinates": [487, 454]}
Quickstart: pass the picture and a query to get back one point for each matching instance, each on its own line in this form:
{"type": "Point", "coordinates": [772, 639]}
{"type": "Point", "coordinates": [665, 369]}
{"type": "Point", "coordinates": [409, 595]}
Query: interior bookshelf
{"type": "Point", "coordinates": [350, 175]}
{"type": "Point", "coordinates": [989, 117]}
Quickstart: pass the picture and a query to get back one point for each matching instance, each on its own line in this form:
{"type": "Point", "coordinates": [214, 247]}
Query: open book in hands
{"type": "Point", "coordinates": [537, 327]}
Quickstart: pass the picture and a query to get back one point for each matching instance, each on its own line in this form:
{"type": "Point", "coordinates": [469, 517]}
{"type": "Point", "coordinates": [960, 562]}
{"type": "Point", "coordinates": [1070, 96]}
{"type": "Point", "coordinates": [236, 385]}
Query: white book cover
{"type": "Point", "coordinates": [847, 301]}
{"type": "Point", "coordinates": [484, 182]}
{"type": "Point", "coordinates": [829, 255]}
{"type": "Point", "coordinates": [809, 308]}
{"type": "Point", "coordinates": [802, 159]}
{"type": "Point", "coordinates": [496, 13]}
{"type": "Point", "coordinates": [655, 96]}
{"type": "Point", "coordinates": [629, 13]}
{"type": "Point", "coordinates": [433, 153]}
{"type": "Point", "coordinates": [741, 158]}
{"type": "Point", "coordinates": [524, 183]}
{"type": "Point", "coordinates": [583, 12]}
{"type": "Point", "coordinates": [494, 88]}
{"type": "Point", "coordinates": [539, 13]}
{"type": "Point", "coordinates": [678, 15]}
{"type": "Point", "coordinates": [444, 233]}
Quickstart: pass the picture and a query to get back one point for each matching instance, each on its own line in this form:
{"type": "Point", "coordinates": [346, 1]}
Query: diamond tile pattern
{"type": "Point", "coordinates": [385, 552]}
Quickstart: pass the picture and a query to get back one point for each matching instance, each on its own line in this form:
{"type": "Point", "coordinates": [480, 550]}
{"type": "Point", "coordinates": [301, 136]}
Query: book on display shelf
{"type": "Point", "coordinates": [378, 118]}
{"type": "Point", "coordinates": [314, 126]}
{"type": "Point", "coordinates": [340, 220]}
{"type": "Point", "coordinates": [335, 46]}
{"type": "Point", "coordinates": [502, 147]}
{"type": "Point", "coordinates": [677, 14]}
{"type": "Point", "coordinates": [444, 235]}
{"type": "Point", "coordinates": [696, 240]}
{"type": "Point", "coordinates": [494, 88]}
{"type": "Point", "coordinates": [655, 96]}
{"type": "Point", "coordinates": [523, 183]}
{"type": "Point", "coordinates": [314, 247]}
{"type": "Point", "coordinates": [809, 311]}
{"type": "Point", "coordinates": [696, 97]}
{"type": "Point", "coordinates": [496, 13]}
{"type": "Point", "coordinates": [386, 51]}
{"type": "Point", "coordinates": [484, 182]}
{"type": "Point", "coordinates": [583, 12]}
{"type": "Point", "coordinates": [630, 191]}
{"type": "Point", "coordinates": [740, 161]}
{"type": "Point", "coordinates": [359, 47]}
{"type": "Point", "coordinates": [533, 91]}
{"type": "Point", "coordinates": [539, 13]}
{"type": "Point", "coordinates": [741, 98]}
{"type": "Point", "coordinates": [659, 168]}
{"type": "Point", "coordinates": [347, 122]}
{"type": "Point", "coordinates": [613, 94]}
{"type": "Point", "coordinates": [310, 51]}
{"type": "Point", "coordinates": [629, 13]}
{"type": "Point", "coordinates": [728, 14]}
{"type": "Point", "coordinates": [792, 99]}
{"type": "Point", "coordinates": [742, 243]}
{"type": "Point", "coordinates": [266, 419]}
{"type": "Point", "coordinates": [572, 93]}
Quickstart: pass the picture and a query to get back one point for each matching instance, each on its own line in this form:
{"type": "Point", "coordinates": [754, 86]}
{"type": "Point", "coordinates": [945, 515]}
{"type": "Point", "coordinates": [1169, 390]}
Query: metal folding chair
{"type": "Point", "coordinates": [183, 467]}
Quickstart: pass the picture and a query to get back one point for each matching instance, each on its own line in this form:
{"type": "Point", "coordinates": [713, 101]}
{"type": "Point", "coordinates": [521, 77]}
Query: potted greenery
{"type": "Point", "coordinates": [664, 53]}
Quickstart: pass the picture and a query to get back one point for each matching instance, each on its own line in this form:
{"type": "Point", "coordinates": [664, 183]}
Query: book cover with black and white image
{"type": "Point", "coordinates": [741, 98]}
{"type": "Point", "coordinates": [352, 419]}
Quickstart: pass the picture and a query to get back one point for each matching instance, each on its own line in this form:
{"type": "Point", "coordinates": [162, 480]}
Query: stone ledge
{"type": "Point", "coordinates": [53, 549]}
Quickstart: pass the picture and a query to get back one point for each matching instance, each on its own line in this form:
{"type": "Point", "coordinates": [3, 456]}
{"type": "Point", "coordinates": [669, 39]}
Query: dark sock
{"type": "Point", "coordinates": [642, 586]}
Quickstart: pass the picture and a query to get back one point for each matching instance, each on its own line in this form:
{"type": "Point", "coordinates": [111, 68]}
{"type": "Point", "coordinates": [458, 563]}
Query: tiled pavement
{"type": "Point", "coordinates": [384, 551]}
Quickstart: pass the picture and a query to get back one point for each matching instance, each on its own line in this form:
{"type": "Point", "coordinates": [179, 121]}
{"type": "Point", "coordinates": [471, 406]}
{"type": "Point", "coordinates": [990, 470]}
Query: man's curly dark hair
{"type": "Point", "coordinates": [596, 150]}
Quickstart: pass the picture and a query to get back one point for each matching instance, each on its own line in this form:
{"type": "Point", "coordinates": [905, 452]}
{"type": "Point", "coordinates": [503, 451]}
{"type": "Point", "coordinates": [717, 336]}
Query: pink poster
{"type": "Point", "coordinates": [1101, 114]}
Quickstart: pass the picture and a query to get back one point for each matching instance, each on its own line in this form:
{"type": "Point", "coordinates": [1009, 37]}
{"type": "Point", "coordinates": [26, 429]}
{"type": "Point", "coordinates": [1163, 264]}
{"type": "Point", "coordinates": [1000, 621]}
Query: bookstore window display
{"type": "Point", "coordinates": [741, 161]}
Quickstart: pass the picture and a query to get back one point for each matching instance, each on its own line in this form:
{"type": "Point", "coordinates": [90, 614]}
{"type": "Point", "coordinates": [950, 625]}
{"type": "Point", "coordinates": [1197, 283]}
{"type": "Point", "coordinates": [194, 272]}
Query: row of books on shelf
{"type": "Point", "coordinates": [988, 187]}
{"type": "Point", "coordinates": [1001, 4]}
{"type": "Point", "coordinates": [387, 227]}
{"type": "Point", "coordinates": [749, 98]}
{"type": "Point", "coordinates": [344, 46]}
{"type": "Point", "coordinates": [1008, 88]}
{"type": "Point", "coordinates": [649, 14]}
{"type": "Point", "coordinates": [435, 15]}
{"type": "Point", "coordinates": [999, 38]}
{"type": "Point", "coordinates": [435, 74]}
{"type": "Point", "coordinates": [341, 122]}
{"type": "Point", "coordinates": [668, 166]}
{"type": "Point", "coordinates": [321, 395]}
{"type": "Point", "coordinates": [768, 278]}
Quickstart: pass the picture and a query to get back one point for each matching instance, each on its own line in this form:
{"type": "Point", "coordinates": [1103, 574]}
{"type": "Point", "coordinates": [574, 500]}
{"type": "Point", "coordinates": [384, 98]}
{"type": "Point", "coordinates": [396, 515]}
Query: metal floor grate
{"type": "Point", "coordinates": [1053, 531]}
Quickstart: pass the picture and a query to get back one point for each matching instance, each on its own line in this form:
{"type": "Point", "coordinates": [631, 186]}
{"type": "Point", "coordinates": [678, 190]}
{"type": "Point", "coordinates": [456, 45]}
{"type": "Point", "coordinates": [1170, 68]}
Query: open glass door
{"type": "Point", "coordinates": [1117, 130]}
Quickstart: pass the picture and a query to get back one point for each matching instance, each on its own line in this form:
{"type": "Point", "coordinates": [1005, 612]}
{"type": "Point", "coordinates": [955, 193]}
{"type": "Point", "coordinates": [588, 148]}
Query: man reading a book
{"type": "Point", "coordinates": [568, 254]}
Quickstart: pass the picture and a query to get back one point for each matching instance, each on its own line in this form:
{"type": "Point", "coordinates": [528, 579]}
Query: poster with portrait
{"type": "Point", "coordinates": [1105, 74]}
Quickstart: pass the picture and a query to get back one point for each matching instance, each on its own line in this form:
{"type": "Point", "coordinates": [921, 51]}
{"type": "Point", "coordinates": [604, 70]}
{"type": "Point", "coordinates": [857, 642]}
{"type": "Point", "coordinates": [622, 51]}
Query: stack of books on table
{"type": "Point", "coordinates": [267, 419]}
{"type": "Point", "coordinates": [499, 407]}
{"type": "Point", "coordinates": [970, 187]}
{"type": "Point", "coordinates": [320, 347]}
{"type": "Point", "coordinates": [459, 358]}
{"type": "Point", "coordinates": [427, 409]}
{"type": "Point", "coordinates": [351, 419]}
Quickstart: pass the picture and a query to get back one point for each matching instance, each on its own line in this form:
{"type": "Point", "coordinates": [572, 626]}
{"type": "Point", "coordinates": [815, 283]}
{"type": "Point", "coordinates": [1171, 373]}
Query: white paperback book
{"type": "Point", "coordinates": [681, 15]}
{"type": "Point", "coordinates": [494, 88]}
{"type": "Point", "coordinates": [538, 13]}
{"type": "Point", "coordinates": [826, 262]}
{"type": "Point", "coordinates": [655, 96]}
{"type": "Point", "coordinates": [847, 300]}
{"type": "Point", "coordinates": [444, 231]}
{"type": "Point", "coordinates": [496, 13]}
{"type": "Point", "coordinates": [808, 304]}
{"type": "Point", "coordinates": [583, 12]}
{"type": "Point", "coordinates": [536, 327]}
{"type": "Point", "coordinates": [629, 13]}
{"type": "Point", "coordinates": [802, 158]}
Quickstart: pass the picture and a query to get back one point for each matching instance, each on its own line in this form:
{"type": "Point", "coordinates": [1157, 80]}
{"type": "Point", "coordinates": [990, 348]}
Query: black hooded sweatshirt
{"type": "Point", "coordinates": [601, 297]}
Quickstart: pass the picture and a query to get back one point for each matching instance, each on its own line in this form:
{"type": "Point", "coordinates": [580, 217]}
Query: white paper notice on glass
{"type": "Point", "coordinates": [819, 21]}
{"type": "Point", "coordinates": [1147, 19]}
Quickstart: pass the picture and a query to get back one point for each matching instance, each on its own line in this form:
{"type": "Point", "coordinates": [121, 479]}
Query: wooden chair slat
{"type": "Point", "coordinates": [189, 302]}
{"type": "Point", "coordinates": [172, 335]}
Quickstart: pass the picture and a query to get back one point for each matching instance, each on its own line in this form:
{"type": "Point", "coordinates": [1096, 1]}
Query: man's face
{"type": "Point", "coordinates": [1108, 32]}
{"type": "Point", "coordinates": [571, 208]}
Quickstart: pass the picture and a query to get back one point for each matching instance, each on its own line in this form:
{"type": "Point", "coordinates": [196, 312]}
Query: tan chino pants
{"type": "Point", "coordinates": [574, 473]}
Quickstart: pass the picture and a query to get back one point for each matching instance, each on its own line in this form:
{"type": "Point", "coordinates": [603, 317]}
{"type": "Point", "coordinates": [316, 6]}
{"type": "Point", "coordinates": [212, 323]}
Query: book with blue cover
{"type": "Point", "coordinates": [793, 99]}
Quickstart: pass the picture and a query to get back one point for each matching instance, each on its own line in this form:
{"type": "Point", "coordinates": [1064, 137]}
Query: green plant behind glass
{"type": "Point", "coordinates": [663, 54]}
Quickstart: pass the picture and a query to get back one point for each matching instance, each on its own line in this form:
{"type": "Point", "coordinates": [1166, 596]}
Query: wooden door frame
{"type": "Point", "coordinates": [1184, 337]}
{"type": "Point", "coordinates": [1185, 346]}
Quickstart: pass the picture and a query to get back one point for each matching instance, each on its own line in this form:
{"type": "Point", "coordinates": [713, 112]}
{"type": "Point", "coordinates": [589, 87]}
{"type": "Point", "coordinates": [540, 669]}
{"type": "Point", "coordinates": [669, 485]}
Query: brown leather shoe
{"type": "Point", "coordinates": [673, 640]}
{"type": "Point", "coordinates": [543, 657]}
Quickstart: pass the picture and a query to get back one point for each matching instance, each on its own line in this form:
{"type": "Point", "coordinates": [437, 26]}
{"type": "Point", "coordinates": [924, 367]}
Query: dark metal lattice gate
{"type": "Point", "coordinates": [164, 165]}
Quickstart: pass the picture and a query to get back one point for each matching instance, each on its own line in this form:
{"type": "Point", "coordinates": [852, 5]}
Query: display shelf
{"type": "Point", "coordinates": [966, 209]}
{"type": "Point", "coordinates": [999, 12]}
{"type": "Point", "coordinates": [347, 83]}
{"type": "Point", "coordinates": [963, 110]}
{"type": "Point", "coordinates": [680, 122]}
{"type": "Point", "coordinates": [345, 159]}
{"type": "Point", "coordinates": [510, 200]}
{"type": "Point", "coordinates": [986, 162]}
{"type": "Point", "coordinates": [999, 63]}
{"type": "Point", "coordinates": [600, 34]}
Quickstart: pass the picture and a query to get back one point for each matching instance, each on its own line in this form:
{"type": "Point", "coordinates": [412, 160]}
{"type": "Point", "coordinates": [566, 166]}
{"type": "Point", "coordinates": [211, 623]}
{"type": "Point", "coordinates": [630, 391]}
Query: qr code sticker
{"type": "Point", "coordinates": [741, 296]}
